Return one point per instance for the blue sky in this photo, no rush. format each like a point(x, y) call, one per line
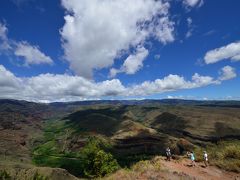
point(63, 50)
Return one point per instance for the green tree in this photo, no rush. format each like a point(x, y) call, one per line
point(97, 162)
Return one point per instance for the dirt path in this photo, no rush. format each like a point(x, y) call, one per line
point(199, 171)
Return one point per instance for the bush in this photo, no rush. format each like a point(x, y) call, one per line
point(97, 162)
point(225, 155)
point(141, 166)
point(4, 175)
point(38, 176)
point(231, 152)
point(147, 165)
point(198, 152)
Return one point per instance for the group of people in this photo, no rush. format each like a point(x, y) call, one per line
point(190, 155)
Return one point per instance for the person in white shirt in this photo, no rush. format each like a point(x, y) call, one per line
point(168, 153)
point(205, 158)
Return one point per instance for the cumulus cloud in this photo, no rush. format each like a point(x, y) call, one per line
point(7, 79)
point(64, 87)
point(227, 72)
point(199, 81)
point(230, 51)
point(59, 86)
point(9, 84)
point(31, 54)
point(97, 32)
point(192, 3)
point(52, 87)
point(133, 63)
point(170, 83)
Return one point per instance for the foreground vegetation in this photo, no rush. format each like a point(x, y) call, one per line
point(93, 160)
point(224, 154)
point(149, 167)
point(4, 175)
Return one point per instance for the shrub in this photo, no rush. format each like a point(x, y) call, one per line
point(147, 165)
point(225, 155)
point(231, 152)
point(141, 166)
point(198, 152)
point(4, 175)
point(97, 162)
point(104, 163)
point(38, 176)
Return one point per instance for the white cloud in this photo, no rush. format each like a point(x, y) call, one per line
point(181, 97)
point(60, 86)
point(190, 27)
point(157, 56)
point(97, 32)
point(4, 44)
point(189, 21)
point(171, 97)
point(9, 84)
point(227, 72)
point(189, 34)
point(230, 51)
point(199, 81)
point(7, 79)
point(164, 30)
point(170, 83)
point(56, 87)
point(193, 3)
point(31, 54)
point(3, 31)
point(132, 64)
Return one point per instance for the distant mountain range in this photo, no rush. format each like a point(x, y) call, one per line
point(223, 103)
point(135, 102)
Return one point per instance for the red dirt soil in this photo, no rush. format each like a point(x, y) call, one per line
point(199, 171)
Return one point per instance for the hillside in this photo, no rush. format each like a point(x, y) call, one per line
point(53, 135)
point(159, 168)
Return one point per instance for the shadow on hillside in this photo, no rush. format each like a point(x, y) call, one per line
point(223, 131)
point(127, 150)
point(170, 124)
point(142, 146)
point(96, 121)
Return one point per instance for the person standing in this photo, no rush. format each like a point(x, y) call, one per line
point(205, 158)
point(168, 153)
point(192, 157)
